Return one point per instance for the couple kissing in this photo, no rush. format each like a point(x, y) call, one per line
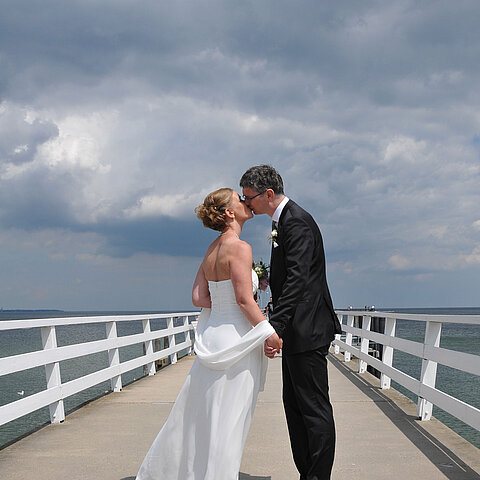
point(204, 436)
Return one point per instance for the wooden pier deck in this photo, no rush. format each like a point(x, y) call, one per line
point(378, 435)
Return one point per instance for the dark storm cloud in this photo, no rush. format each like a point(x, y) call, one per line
point(173, 46)
point(155, 236)
point(38, 200)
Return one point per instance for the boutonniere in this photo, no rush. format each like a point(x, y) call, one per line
point(274, 237)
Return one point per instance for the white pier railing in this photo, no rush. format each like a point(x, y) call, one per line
point(51, 355)
point(429, 351)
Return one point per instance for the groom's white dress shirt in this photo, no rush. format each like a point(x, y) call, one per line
point(279, 209)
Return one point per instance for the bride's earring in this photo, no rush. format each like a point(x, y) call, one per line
point(231, 214)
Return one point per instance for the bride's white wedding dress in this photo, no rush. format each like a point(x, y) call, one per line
point(204, 436)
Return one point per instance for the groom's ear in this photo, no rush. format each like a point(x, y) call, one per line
point(270, 194)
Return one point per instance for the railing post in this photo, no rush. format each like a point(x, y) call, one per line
point(387, 355)
point(114, 356)
point(171, 341)
point(336, 348)
point(347, 356)
point(362, 364)
point(428, 376)
point(148, 346)
point(52, 372)
point(188, 335)
point(194, 324)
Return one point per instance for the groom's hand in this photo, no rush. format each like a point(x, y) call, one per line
point(273, 344)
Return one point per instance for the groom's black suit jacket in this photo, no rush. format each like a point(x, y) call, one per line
point(303, 314)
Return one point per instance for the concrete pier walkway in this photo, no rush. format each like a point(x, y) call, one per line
point(378, 436)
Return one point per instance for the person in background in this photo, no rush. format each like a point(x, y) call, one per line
point(269, 308)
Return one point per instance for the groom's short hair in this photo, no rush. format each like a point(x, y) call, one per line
point(261, 178)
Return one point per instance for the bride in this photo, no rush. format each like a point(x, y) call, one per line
point(204, 436)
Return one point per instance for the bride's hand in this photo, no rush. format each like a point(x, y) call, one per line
point(273, 344)
point(269, 351)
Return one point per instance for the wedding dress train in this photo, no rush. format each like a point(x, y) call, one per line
point(204, 436)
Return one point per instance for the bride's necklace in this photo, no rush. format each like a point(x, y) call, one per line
point(223, 233)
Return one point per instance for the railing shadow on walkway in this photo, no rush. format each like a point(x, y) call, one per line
point(242, 476)
point(246, 476)
point(453, 467)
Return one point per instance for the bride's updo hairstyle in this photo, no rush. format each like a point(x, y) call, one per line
point(212, 211)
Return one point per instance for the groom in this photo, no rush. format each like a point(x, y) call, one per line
point(304, 318)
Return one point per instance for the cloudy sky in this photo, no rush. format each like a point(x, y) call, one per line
point(117, 117)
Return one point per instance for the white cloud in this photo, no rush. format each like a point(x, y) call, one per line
point(399, 262)
point(21, 148)
point(473, 258)
point(403, 149)
point(79, 142)
point(175, 206)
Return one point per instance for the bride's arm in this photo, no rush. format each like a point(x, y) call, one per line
point(200, 291)
point(241, 274)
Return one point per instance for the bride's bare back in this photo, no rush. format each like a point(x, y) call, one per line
point(228, 258)
point(217, 262)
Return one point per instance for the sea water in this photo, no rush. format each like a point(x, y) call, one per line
point(461, 337)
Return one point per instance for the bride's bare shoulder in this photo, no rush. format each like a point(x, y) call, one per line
point(242, 249)
point(230, 246)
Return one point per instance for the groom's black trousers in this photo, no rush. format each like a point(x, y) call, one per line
point(309, 413)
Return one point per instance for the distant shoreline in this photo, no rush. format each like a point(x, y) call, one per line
point(19, 310)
